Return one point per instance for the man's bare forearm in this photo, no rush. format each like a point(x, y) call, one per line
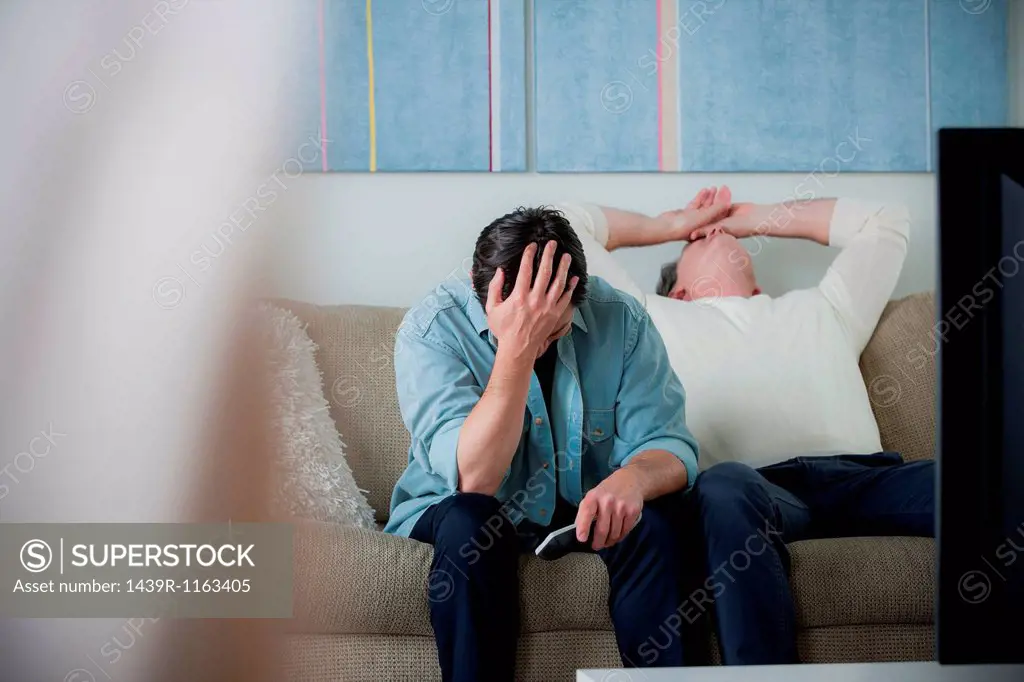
point(797, 219)
point(628, 228)
point(655, 473)
point(490, 435)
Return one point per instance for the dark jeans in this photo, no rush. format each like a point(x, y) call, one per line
point(473, 585)
point(748, 516)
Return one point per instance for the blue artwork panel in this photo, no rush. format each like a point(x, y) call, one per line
point(302, 140)
point(969, 83)
point(593, 110)
point(345, 95)
point(797, 85)
point(424, 85)
point(432, 100)
point(509, 41)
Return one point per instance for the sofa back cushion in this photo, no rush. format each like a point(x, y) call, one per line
point(899, 368)
point(356, 356)
point(355, 352)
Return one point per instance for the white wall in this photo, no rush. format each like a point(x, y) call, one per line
point(388, 239)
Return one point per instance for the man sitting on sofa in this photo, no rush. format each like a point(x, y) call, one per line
point(770, 379)
point(538, 397)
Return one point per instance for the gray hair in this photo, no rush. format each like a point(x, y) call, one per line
point(667, 280)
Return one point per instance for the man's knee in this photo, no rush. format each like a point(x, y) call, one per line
point(730, 490)
point(725, 481)
point(473, 529)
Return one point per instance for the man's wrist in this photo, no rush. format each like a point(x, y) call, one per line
point(510, 378)
point(514, 360)
point(633, 477)
point(670, 227)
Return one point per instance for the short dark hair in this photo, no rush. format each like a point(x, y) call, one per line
point(501, 245)
point(668, 278)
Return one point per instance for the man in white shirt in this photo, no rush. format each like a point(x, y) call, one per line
point(788, 443)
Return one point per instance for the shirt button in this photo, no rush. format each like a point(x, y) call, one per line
point(538, 421)
point(598, 432)
point(543, 512)
point(545, 465)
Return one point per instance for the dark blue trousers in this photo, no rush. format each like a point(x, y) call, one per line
point(473, 586)
point(747, 517)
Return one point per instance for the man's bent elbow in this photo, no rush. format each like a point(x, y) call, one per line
point(896, 219)
point(478, 484)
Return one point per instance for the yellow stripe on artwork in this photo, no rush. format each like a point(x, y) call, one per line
point(372, 106)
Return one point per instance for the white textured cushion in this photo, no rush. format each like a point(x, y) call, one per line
point(316, 482)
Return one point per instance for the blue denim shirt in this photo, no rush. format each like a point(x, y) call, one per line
point(614, 395)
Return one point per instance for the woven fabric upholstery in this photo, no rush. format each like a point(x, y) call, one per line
point(360, 658)
point(568, 594)
point(356, 346)
point(552, 656)
point(854, 581)
point(544, 657)
point(899, 366)
point(355, 581)
point(867, 644)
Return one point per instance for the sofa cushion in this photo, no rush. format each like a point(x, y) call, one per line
point(355, 581)
point(861, 581)
point(355, 351)
point(899, 365)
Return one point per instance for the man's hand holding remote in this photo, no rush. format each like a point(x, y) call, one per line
point(613, 507)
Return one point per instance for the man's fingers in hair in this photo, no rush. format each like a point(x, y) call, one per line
point(526, 269)
point(557, 287)
point(546, 267)
point(494, 290)
point(565, 300)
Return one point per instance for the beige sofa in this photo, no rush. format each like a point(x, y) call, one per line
point(361, 603)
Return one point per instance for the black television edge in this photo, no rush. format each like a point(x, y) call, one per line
point(979, 332)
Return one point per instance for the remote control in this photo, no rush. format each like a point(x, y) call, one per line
point(560, 542)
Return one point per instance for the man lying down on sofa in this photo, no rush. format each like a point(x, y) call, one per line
point(539, 395)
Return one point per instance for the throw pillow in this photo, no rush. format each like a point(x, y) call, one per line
point(317, 482)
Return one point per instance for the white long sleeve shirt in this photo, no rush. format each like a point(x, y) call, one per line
point(768, 379)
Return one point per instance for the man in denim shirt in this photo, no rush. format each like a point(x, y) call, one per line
point(537, 397)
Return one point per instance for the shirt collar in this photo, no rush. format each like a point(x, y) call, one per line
point(479, 317)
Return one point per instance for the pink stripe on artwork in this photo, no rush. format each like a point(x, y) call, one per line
point(323, 90)
point(490, 96)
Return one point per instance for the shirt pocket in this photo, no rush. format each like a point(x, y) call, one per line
point(598, 429)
